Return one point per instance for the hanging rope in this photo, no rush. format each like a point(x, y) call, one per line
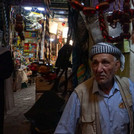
point(102, 24)
point(133, 3)
point(114, 5)
point(119, 4)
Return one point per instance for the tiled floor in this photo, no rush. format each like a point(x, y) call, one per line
point(15, 122)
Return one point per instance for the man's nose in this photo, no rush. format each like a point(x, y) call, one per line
point(100, 67)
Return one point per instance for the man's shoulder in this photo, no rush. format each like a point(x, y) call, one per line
point(85, 85)
point(124, 80)
point(125, 83)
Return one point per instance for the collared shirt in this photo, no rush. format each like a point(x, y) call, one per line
point(114, 117)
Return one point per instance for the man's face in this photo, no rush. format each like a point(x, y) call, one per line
point(104, 67)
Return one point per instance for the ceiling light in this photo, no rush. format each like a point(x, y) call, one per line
point(41, 9)
point(28, 8)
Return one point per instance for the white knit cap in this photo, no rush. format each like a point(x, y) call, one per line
point(108, 48)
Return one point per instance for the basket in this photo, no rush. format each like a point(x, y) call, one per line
point(42, 84)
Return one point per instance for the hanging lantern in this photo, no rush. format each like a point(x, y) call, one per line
point(19, 17)
point(19, 27)
point(63, 23)
point(19, 23)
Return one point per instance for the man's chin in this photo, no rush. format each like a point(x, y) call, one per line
point(101, 81)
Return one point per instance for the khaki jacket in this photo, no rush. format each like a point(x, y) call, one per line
point(89, 119)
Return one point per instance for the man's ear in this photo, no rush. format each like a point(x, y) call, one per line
point(117, 65)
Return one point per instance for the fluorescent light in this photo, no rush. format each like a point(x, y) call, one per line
point(61, 12)
point(41, 9)
point(65, 31)
point(28, 8)
point(71, 42)
point(61, 19)
point(51, 39)
point(82, 3)
point(65, 40)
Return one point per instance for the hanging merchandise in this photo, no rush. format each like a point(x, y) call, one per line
point(81, 73)
point(19, 26)
point(4, 24)
point(53, 26)
point(93, 27)
point(124, 18)
point(118, 17)
point(77, 5)
point(47, 34)
point(30, 48)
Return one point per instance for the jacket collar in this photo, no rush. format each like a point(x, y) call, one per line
point(97, 90)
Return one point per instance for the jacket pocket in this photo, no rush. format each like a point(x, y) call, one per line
point(88, 124)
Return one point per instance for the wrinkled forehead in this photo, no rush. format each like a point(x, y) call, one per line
point(103, 56)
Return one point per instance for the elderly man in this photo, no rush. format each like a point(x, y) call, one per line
point(102, 104)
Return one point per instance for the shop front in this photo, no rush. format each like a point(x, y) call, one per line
point(28, 27)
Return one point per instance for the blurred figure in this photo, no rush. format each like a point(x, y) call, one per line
point(6, 69)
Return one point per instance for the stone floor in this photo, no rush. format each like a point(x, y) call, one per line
point(15, 122)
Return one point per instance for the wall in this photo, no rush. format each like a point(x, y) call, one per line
point(129, 64)
point(132, 62)
point(126, 71)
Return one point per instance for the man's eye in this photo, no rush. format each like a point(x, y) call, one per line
point(94, 63)
point(105, 62)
